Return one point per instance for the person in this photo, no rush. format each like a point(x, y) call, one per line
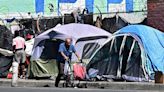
point(98, 22)
point(19, 57)
point(78, 16)
point(65, 53)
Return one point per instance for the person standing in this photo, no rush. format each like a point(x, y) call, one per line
point(78, 16)
point(19, 57)
point(98, 22)
point(65, 53)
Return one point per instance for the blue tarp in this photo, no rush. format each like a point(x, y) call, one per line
point(153, 43)
point(67, 1)
point(39, 5)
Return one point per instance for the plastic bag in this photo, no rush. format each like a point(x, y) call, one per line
point(92, 73)
point(67, 68)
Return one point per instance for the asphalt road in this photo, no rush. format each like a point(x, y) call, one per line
point(44, 89)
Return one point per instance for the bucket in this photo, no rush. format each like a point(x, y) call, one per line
point(159, 77)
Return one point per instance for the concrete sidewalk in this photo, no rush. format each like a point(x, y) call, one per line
point(104, 85)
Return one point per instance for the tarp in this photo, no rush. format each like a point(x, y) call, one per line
point(5, 38)
point(153, 43)
point(113, 24)
point(43, 68)
point(5, 64)
point(29, 45)
point(6, 52)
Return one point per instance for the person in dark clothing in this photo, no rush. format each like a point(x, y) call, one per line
point(65, 53)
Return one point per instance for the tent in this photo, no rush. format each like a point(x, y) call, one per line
point(5, 47)
point(5, 38)
point(113, 24)
point(131, 54)
point(86, 39)
point(5, 64)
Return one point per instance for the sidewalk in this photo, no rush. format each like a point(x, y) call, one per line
point(106, 85)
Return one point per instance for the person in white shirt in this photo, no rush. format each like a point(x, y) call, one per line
point(19, 57)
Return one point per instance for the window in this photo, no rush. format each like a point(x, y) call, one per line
point(89, 49)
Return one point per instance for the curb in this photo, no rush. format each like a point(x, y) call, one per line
point(99, 85)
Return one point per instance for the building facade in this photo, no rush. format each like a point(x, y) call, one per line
point(156, 14)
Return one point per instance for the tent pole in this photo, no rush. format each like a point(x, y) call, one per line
point(115, 46)
point(143, 60)
point(121, 56)
point(111, 45)
point(131, 50)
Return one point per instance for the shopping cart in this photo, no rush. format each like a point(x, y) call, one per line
point(74, 74)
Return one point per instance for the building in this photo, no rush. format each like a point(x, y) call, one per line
point(155, 17)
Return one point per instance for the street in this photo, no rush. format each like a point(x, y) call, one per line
point(38, 89)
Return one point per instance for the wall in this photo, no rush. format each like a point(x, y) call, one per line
point(19, 8)
point(156, 14)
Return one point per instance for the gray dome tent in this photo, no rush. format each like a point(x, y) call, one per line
point(86, 39)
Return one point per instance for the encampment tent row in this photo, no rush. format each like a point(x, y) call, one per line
point(133, 53)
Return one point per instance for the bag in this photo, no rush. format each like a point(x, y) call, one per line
point(79, 71)
point(9, 75)
point(67, 68)
point(92, 73)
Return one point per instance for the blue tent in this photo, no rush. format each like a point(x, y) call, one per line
point(133, 53)
point(153, 43)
